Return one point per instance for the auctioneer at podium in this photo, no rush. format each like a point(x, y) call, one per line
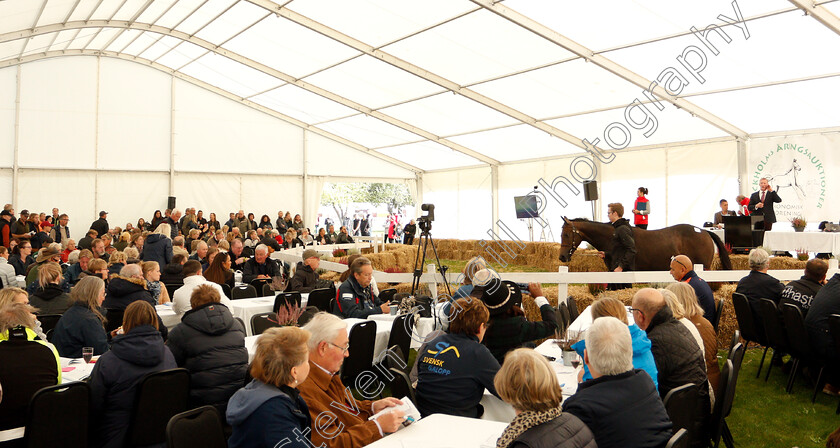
point(761, 203)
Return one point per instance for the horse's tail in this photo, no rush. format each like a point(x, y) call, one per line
point(722, 252)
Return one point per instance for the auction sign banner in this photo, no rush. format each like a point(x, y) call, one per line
point(801, 170)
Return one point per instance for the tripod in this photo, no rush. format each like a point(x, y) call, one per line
point(423, 244)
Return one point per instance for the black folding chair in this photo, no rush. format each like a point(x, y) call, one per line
point(114, 320)
point(172, 287)
point(198, 427)
point(681, 406)
point(716, 423)
point(386, 295)
point(242, 322)
point(226, 290)
point(736, 338)
point(718, 314)
point(773, 330)
point(563, 318)
point(307, 315)
point(573, 309)
point(834, 329)
point(48, 321)
point(320, 298)
point(244, 292)
point(726, 396)
point(746, 323)
point(401, 331)
point(291, 298)
point(800, 347)
point(679, 440)
point(401, 385)
point(263, 321)
point(362, 338)
point(48, 422)
point(266, 290)
point(160, 396)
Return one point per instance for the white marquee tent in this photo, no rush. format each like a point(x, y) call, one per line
point(254, 104)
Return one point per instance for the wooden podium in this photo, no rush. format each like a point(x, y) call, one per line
point(740, 232)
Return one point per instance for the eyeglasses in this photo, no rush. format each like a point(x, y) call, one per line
point(674, 258)
point(343, 349)
point(636, 309)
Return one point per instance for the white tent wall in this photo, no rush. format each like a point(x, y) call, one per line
point(685, 183)
point(214, 134)
point(519, 179)
point(463, 202)
point(87, 133)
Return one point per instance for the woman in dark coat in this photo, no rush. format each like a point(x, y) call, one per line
point(270, 408)
point(82, 325)
point(50, 298)
point(114, 380)
point(210, 343)
point(158, 246)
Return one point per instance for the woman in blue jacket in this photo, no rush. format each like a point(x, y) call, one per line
point(114, 380)
point(82, 325)
point(269, 411)
point(642, 356)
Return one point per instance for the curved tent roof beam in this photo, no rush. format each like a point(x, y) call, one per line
point(217, 49)
point(131, 58)
point(547, 33)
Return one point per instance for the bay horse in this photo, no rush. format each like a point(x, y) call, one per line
point(654, 248)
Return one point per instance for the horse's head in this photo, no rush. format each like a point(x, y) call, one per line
point(570, 239)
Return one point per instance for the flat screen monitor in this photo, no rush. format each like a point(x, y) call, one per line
point(526, 207)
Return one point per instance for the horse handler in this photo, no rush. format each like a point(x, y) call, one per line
point(623, 255)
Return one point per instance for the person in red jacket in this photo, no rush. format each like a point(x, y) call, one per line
point(641, 209)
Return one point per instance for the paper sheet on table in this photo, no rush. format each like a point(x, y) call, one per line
point(67, 369)
point(416, 443)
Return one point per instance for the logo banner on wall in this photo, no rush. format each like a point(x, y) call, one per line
point(800, 170)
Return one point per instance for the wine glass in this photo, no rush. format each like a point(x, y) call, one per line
point(575, 360)
point(87, 354)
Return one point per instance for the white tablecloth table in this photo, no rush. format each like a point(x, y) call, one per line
point(75, 369)
point(807, 241)
point(168, 315)
point(246, 308)
point(497, 410)
point(383, 331)
point(444, 431)
point(422, 327)
point(584, 321)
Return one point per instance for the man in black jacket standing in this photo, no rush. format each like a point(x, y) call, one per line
point(101, 224)
point(622, 256)
point(761, 203)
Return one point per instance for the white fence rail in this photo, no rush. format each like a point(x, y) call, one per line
point(563, 278)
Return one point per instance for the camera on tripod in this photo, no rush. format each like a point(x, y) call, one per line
point(425, 221)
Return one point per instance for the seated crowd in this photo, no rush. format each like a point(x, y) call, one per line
point(105, 290)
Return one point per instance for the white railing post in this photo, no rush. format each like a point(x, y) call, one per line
point(562, 286)
point(832, 267)
point(433, 283)
point(698, 268)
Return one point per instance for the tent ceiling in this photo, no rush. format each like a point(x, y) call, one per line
point(450, 83)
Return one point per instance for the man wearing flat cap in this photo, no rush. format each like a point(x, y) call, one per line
point(305, 277)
